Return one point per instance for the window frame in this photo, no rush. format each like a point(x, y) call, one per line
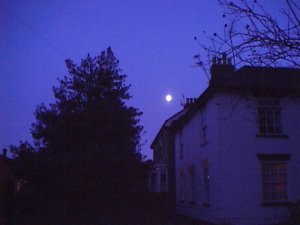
point(180, 144)
point(203, 128)
point(274, 178)
point(192, 177)
point(163, 179)
point(181, 186)
point(269, 117)
point(206, 182)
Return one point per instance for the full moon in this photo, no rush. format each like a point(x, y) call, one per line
point(169, 98)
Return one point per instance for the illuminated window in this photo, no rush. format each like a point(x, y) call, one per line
point(269, 116)
point(203, 135)
point(274, 177)
point(20, 184)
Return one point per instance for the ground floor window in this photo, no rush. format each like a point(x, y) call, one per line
point(152, 181)
point(274, 177)
point(205, 166)
point(192, 185)
point(181, 186)
point(163, 180)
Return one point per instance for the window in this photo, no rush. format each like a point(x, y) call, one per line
point(181, 185)
point(274, 180)
point(19, 185)
point(163, 180)
point(163, 150)
point(153, 181)
point(205, 164)
point(203, 132)
point(160, 152)
point(203, 135)
point(269, 116)
point(274, 177)
point(193, 185)
point(180, 145)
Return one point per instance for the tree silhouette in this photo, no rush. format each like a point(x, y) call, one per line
point(252, 36)
point(87, 143)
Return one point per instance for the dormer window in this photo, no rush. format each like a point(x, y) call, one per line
point(269, 117)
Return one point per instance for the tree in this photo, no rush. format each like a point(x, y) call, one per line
point(252, 36)
point(92, 98)
point(88, 142)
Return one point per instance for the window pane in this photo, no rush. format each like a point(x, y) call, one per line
point(274, 177)
point(269, 116)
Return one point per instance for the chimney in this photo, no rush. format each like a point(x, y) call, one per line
point(221, 66)
point(189, 102)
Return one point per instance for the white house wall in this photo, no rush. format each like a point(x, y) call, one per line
point(232, 148)
point(240, 166)
point(194, 154)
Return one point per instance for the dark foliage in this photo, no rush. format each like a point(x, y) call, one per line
point(87, 162)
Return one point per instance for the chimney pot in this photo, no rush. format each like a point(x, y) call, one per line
point(223, 67)
point(224, 57)
point(214, 61)
point(189, 102)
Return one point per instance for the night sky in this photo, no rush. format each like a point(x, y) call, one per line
point(153, 40)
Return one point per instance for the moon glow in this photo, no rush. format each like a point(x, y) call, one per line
point(169, 98)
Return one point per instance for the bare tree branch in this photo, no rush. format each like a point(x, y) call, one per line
point(252, 36)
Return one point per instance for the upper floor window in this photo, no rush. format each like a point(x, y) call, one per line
point(204, 135)
point(203, 131)
point(153, 181)
point(269, 117)
point(161, 153)
point(180, 145)
point(163, 180)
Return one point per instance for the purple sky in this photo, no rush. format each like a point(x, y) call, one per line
point(153, 39)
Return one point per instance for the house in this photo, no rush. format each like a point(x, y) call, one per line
point(237, 147)
point(162, 174)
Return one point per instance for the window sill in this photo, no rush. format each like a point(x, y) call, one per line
point(282, 136)
point(276, 204)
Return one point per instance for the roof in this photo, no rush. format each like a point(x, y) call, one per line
point(224, 77)
point(168, 123)
point(249, 77)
